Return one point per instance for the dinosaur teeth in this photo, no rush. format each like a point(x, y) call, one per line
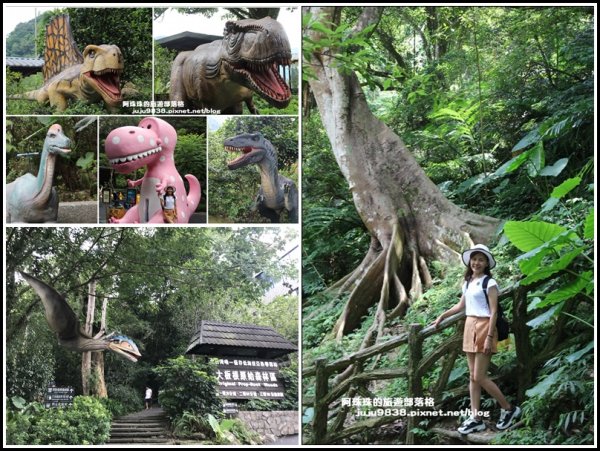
point(136, 156)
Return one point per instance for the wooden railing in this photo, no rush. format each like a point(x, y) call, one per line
point(324, 432)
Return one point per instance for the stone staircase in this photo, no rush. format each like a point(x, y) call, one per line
point(144, 427)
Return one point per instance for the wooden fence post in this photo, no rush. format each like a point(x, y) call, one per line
point(321, 408)
point(415, 386)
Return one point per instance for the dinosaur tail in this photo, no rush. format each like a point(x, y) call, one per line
point(195, 193)
point(29, 95)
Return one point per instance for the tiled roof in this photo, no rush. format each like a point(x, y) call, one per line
point(216, 338)
point(18, 61)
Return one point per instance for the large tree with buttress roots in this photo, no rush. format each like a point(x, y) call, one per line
point(410, 221)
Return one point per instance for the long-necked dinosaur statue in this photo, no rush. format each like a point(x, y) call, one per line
point(34, 199)
point(92, 77)
point(276, 192)
point(151, 144)
point(224, 73)
point(64, 322)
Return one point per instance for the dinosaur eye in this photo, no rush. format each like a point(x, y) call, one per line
point(52, 135)
point(149, 126)
point(91, 54)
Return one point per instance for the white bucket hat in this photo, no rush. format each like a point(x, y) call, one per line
point(466, 256)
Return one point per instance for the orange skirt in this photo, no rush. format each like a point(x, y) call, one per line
point(476, 331)
point(170, 216)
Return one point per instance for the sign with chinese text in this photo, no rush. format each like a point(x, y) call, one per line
point(59, 396)
point(247, 378)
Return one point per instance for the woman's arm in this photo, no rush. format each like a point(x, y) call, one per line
point(458, 307)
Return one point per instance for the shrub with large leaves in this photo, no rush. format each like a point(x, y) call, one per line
point(188, 385)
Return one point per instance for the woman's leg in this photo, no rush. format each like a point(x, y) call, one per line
point(481, 365)
point(474, 387)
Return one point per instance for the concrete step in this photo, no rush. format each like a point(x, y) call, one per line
point(134, 423)
point(138, 434)
point(140, 429)
point(147, 441)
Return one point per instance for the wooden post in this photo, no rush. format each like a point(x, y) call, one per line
point(523, 347)
point(321, 408)
point(415, 388)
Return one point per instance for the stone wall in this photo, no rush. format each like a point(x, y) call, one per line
point(271, 423)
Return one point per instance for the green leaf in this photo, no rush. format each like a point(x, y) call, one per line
point(572, 358)
point(555, 169)
point(318, 26)
point(565, 187)
point(568, 291)
point(18, 402)
point(548, 270)
point(527, 235)
point(533, 304)
point(537, 159)
point(472, 182)
point(512, 164)
point(539, 320)
point(530, 138)
point(588, 228)
point(542, 387)
point(550, 203)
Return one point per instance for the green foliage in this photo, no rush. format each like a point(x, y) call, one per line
point(87, 422)
point(232, 432)
point(189, 423)
point(122, 399)
point(163, 59)
point(20, 41)
point(31, 365)
point(351, 48)
point(187, 385)
point(559, 403)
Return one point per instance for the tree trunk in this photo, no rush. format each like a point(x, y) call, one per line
point(409, 219)
point(92, 363)
point(86, 357)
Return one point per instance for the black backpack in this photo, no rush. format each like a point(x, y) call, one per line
point(501, 321)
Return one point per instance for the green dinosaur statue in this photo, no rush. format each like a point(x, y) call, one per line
point(276, 192)
point(224, 73)
point(92, 77)
point(34, 199)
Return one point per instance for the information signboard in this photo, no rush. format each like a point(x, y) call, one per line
point(247, 378)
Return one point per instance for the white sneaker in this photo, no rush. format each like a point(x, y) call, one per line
point(507, 417)
point(471, 425)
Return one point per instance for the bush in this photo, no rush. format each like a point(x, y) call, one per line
point(123, 400)
point(188, 386)
point(87, 422)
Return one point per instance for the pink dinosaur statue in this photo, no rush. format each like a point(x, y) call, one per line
point(151, 144)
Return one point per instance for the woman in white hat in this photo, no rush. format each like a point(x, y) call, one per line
point(480, 336)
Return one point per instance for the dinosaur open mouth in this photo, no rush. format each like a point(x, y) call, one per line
point(60, 149)
point(138, 156)
point(245, 151)
point(107, 81)
point(265, 78)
